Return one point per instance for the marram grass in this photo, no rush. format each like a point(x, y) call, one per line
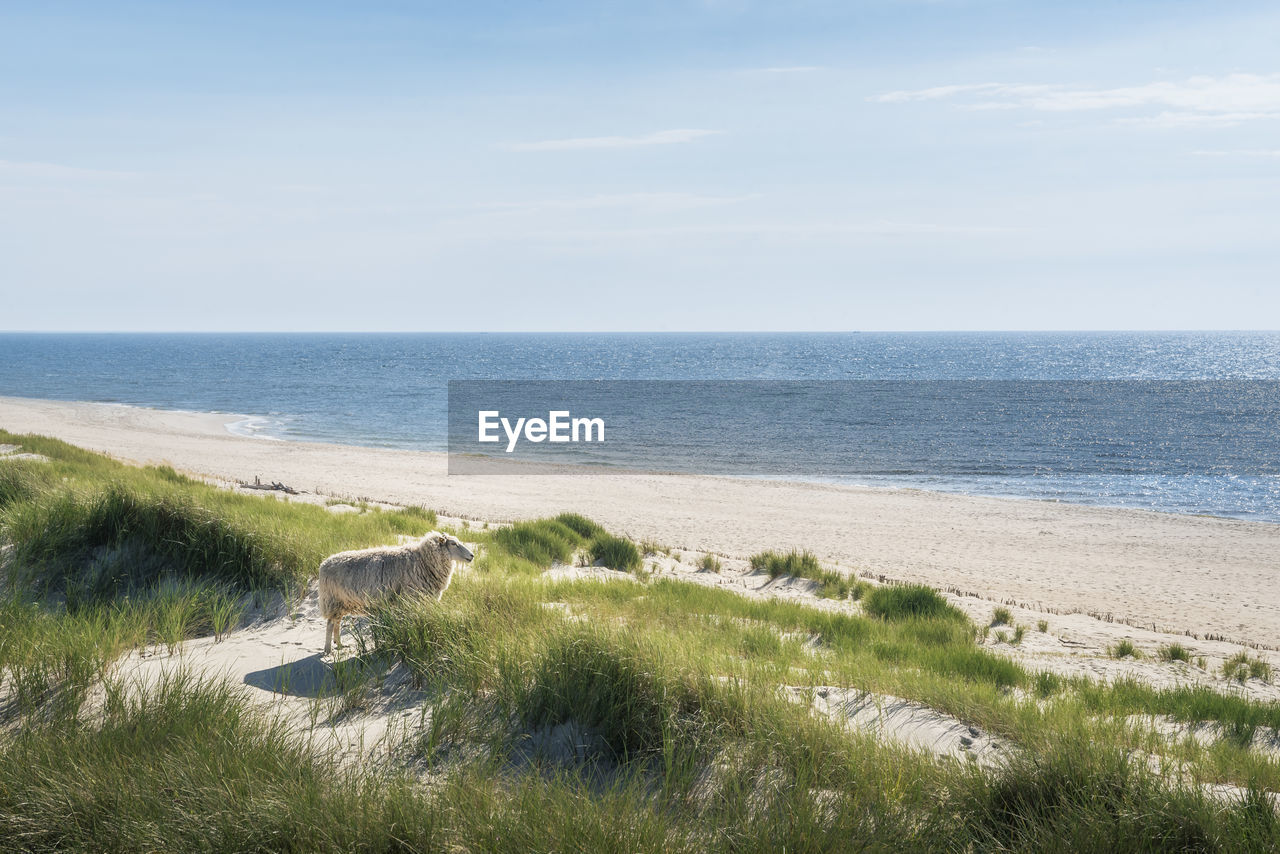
point(688, 703)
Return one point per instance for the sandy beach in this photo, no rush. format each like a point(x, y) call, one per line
point(1206, 576)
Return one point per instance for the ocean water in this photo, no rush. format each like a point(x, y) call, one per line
point(1177, 422)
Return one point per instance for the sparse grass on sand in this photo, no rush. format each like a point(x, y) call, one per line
point(798, 564)
point(1241, 667)
point(1174, 652)
point(1125, 649)
point(542, 542)
point(669, 696)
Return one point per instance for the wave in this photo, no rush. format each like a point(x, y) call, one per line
point(258, 427)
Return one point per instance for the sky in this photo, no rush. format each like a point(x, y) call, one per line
point(661, 165)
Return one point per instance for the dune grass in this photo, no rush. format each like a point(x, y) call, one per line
point(580, 525)
point(689, 704)
point(544, 542)
point(22, 480)
point(189, 765)
point(1125, 649)
point(1241, 667)
point(804, 564)
point(130, 525)
point(614, 552)
point(106, 557)
point(899, 602)
point(678, 696)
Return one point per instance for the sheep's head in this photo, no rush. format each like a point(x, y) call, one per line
point(452, 546)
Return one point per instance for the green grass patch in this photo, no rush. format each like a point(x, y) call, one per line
point(1174, 652)
point(1184, 703)
point(1241, 668)
point(620, 688)
point(614, 552)
point(121, 538)
point(22, 480)
point(909, 601)
point(1125, 649)
point(692, 703)
point(794, 563)
point(186, 765)
point(580, 525)
point(798, 564)
point(543, 542)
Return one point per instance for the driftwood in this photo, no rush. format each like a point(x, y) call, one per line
point(274, 485)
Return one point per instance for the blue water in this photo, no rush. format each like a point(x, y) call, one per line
point(390, 391)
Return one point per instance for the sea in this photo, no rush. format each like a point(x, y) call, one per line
point(1178, 422)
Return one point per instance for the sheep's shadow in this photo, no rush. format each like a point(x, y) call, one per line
point(311, 677)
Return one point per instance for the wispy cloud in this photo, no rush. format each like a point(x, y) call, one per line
point(1195, 102)
point(585, 143)
point(788, 69)
point(1243, 152)
point(629, 201)
point(830, 231)
point(1174, 119)
point(34, 169)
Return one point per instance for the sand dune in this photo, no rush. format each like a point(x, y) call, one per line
point(1203, 575)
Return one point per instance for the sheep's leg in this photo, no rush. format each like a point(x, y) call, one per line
point(328, 637)
point(337, 633)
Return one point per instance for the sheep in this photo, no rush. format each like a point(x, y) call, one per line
point(350, 582)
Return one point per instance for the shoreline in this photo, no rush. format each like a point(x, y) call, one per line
point(268, 427)
point(1209, 576)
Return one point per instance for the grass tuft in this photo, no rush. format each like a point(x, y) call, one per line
point(1125, 649)
point(580, 525)
point(615, 552)
point(543, 542)
point(793, 563)
point(609, 683)
point(797, 564)
point(910, 601)
point(1174, 652)
point(22, 480)
point(1242, 668)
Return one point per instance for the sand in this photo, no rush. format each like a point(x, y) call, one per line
point(1207, 576)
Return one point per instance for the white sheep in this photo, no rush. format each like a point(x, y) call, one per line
point(350, 582)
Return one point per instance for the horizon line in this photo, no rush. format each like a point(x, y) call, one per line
point(609, 331)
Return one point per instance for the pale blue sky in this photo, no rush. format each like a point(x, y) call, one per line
point(865, 164)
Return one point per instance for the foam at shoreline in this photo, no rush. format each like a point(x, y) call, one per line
point(257, 427)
